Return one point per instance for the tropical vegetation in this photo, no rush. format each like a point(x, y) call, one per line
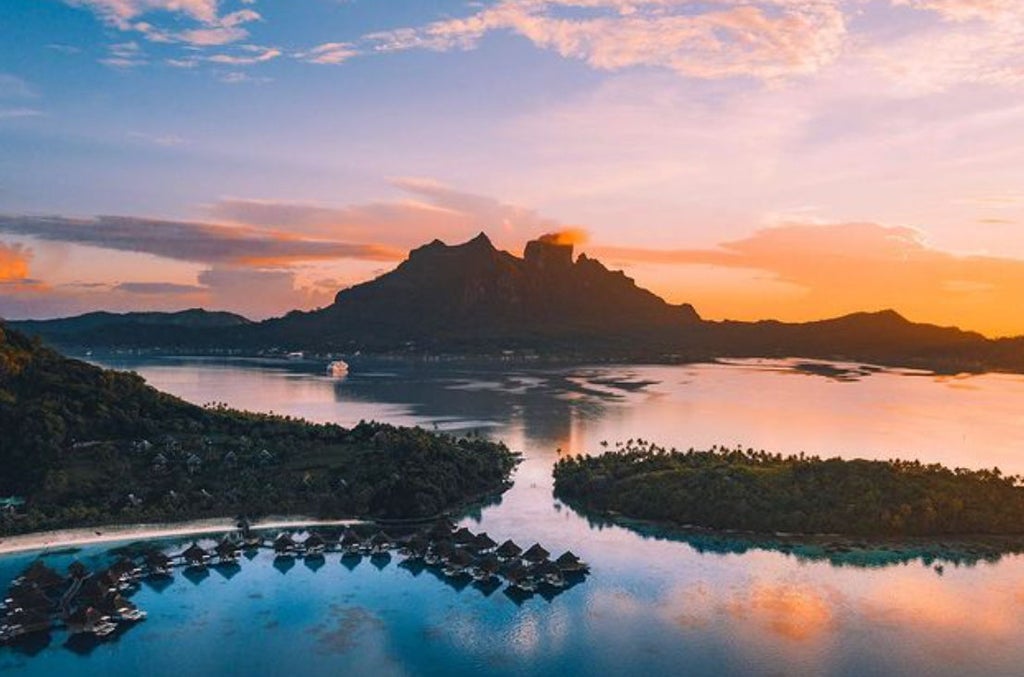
point(82, 445)
point(757, 491)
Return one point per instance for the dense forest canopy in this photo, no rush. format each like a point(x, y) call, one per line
point(761, 492)
point(85, 445)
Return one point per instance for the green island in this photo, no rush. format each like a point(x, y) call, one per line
point(85, 446)
point(759, 492)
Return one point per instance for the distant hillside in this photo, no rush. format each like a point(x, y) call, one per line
point(186, 327)
point(472, 299)
point(84, 445)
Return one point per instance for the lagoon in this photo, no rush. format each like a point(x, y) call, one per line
point(654, 602)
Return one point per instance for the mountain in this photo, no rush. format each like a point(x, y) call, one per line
point(131, 329)
point(473, 299)
point(475, 296)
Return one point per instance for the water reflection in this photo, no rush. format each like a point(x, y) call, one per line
point(838, 551)
point(658, 600)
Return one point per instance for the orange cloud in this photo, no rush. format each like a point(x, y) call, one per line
point(826, 270)
point(14, 261)
point(572, 236)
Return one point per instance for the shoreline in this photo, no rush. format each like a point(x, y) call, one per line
point(64, 538)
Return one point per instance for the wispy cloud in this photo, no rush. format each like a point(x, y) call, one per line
point(158, 288)
point(13, 113)
point(759, 38)
point(427, 206)
point(163, 140)
point(187, 241)
point(329, 53)
point(13, 87)
point(124, 55)
point(212, 26)
point(239, 78)
point(250, 54)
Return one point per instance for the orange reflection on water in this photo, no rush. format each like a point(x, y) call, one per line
point(799, 613)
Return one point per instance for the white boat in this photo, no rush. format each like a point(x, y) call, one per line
point(337, 369)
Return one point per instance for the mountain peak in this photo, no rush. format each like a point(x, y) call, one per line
point(547, 254)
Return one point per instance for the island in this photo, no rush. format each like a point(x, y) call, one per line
point(759, 492)
point(85, 446)
point(474, 301)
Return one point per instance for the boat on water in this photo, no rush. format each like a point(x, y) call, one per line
point(337, 369)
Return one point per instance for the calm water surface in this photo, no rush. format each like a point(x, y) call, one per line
point(655, 604)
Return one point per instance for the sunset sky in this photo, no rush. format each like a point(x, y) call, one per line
point(794, 159)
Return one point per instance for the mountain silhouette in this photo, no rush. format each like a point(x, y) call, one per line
point(473, 299)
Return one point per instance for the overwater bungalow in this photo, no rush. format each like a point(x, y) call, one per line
point(284, 545)
point(458, 563)
point(415, 547)
point(195, 556)
point(463, 536)
point(536, 554)
point(508, 551)
point(126, 570)
point(22, 622)
point(89, 619)
point(27, 598)
point(350, 542)
point(549, 573)
point(439, 552)
point(117, 606)
point(484, 543)
point(520, 578)
point(441, 530)
point(41, 576)
point(77, 570)
point(251, 541)
point(93, 590)
point(486, 567)
point(157, 563)
point(380, 542)
point(569, 563)
point(227, 551)
point(314, 545)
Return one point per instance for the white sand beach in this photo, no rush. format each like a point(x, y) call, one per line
point(65, 538)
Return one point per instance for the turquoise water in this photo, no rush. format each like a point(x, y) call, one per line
point(662, 605)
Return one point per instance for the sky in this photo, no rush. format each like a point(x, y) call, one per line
point(789, 159)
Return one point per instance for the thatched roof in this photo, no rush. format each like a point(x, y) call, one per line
point(517, 573)
point(488, 563)
point(380, 538)
point(123, 566)
point(226, 547)
point(545, 568)
point(463, 536)
point(568, 561)
point(443, 548)
point(441, 529)
point(314, 540)
point(195, 553)
point(77, 570)
point(460, 558)
point(29, 597)
point(157, 559)
point(484, 542)
point(509, 549)
point(417, 543)
point(350, 537)
point(536, 553)
point(42, 576)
